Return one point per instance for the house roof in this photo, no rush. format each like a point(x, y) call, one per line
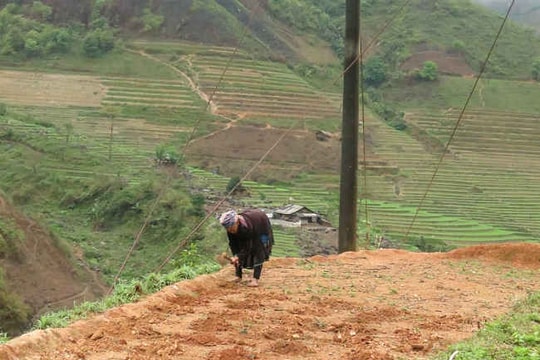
point(291, 209)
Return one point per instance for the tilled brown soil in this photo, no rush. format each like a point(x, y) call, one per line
point(385, 304)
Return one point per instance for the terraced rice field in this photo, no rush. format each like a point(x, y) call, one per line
point(485, 190)
point(119, 146)
point(146, 92)
point(490, 176)
point(34, 88)
point(251, 89)
point(245, 88)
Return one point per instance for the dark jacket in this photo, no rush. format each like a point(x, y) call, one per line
point(254, 240)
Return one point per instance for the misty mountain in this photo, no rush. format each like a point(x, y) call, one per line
point(524, 11)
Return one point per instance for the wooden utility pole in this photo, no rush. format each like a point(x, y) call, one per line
point(349, 138)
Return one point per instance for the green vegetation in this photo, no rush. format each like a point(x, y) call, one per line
point(22, 32)
point(515, 336)
point(130, 291)
point(524, 11)
point(25, 32)
point(429, 71)
point(451, 92)
point(62, 182)
point(10, 237)
point(14, 313)
point(446, 26)
point(535, 72)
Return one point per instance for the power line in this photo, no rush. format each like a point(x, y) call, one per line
point(376, 37)
point(460, 118)
point(169, 176)
point(139, 233)
point(218, 204)
point(222, 76)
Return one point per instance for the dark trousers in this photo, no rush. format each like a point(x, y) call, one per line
point(257, 270)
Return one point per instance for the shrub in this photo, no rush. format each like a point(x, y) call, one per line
point(429, 72)
point(166, 156)
point(14, 314)
point(98, 42)
point(151, 22)
point(233, 182)
point(375, 72)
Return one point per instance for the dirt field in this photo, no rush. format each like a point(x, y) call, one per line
point(31, 88)
point(386, 304)
point(236, 148)
point(447, 64)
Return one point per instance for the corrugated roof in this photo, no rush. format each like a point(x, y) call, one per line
point(291, 209)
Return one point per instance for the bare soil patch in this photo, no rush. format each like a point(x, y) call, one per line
point(32, 88)
point(236, 148)
point(452, 64)
point(385, 304)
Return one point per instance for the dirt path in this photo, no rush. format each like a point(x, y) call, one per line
point(385, 304)
point(212, 106)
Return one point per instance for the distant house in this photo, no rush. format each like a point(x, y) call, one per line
point(299, 214)
point(322, 135)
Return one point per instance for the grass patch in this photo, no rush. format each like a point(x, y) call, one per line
point(116, 63)
point(451, 92)
point(515, 336)
point(125, 292)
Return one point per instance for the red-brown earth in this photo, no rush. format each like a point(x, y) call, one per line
point(384, 304)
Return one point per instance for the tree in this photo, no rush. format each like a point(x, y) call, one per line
point(91, 45)
point(32, 44)
point(98, 42)
point(458, 46)
point(151, 22)
point(40, 11)
point(375, 71)
point(429, 72)
point(535, 72)
point(234, 182)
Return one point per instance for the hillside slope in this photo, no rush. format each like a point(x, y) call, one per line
point(384, 305)
point(525, 11)
point(38, 271)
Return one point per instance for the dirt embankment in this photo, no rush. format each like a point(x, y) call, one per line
point(386, 304)
point(39, 272)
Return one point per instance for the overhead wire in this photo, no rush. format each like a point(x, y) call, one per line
point(183, 242)
point(460, 118)
point(222, 76)
point(360, 58)
point(220, 202)
point(209, 102)
point(182, 155)
point(139, 235)
point(375, 38)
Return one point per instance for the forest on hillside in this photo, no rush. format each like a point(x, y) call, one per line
point(94, 28)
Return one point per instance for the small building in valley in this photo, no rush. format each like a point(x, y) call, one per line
point(299, 214)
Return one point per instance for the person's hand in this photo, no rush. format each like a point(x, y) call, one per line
point(234, 260)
